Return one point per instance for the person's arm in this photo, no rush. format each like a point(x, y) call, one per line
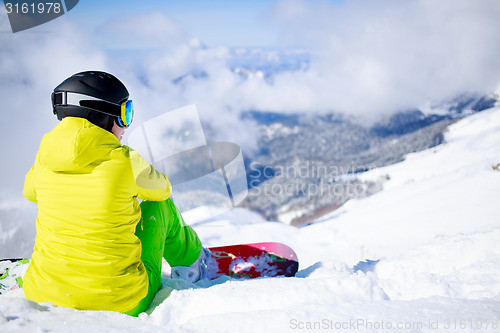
point(151, 184)
point(29, 185)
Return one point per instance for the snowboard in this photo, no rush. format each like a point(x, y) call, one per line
point(248, 261)
point(252, 260)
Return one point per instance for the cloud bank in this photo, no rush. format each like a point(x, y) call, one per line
point(368, 59)
point(375, 57)
point(31, 65)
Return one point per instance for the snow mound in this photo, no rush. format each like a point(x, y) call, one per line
point(459, 266)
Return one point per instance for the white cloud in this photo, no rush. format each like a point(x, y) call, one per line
point(381, 56)
point(177, 70)
point(369, 58)
point(32, 63)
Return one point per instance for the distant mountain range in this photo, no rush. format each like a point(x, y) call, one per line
point(307, 166)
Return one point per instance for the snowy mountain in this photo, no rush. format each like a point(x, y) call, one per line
point(421, 254)
point(308, 165)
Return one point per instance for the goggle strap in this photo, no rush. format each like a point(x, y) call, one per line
point(71, 98)
point(63, 98)
point(59, 98)
point(120, 122)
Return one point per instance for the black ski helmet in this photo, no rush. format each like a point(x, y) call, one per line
point(105, 94)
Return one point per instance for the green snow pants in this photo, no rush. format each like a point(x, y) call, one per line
point(163, 234)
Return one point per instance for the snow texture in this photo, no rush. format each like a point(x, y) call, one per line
point(422, 255)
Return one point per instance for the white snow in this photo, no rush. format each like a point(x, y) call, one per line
point(432, 237)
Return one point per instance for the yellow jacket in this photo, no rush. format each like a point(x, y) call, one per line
point(86, 185)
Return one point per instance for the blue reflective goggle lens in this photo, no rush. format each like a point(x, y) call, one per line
point(127, 114)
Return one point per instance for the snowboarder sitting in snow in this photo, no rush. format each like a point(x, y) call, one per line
point(96, 247)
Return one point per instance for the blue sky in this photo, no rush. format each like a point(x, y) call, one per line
point(214, 22)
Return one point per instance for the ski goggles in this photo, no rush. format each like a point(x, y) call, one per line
point(127, 113)
point(123, 111)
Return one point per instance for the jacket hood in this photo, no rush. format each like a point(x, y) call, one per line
point(75, 143)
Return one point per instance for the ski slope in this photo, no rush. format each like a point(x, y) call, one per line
point(423, 255)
